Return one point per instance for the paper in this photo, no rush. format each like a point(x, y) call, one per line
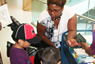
point(80, 51)
point(4, 16)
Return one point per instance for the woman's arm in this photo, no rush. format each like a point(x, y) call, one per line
point(72, 30)
point(41, 32)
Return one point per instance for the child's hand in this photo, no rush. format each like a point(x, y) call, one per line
point(87, 48)
point(84, 45)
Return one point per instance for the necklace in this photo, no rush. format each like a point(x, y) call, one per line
point(58, 18)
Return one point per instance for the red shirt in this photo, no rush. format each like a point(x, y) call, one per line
point(32, 59)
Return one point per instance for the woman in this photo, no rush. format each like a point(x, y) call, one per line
point(56, 20)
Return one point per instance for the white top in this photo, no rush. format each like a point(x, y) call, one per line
point(51, 32)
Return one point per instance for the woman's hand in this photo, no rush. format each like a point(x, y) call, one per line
point(72, 42)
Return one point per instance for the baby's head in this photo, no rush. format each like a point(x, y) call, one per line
point(51, 55)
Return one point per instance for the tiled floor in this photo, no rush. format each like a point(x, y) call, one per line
point(15, 10)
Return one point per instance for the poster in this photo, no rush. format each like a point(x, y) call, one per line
point(4, 16)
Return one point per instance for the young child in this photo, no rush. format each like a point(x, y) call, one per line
point(23, 36)
point(90, 50)
point(49, 55)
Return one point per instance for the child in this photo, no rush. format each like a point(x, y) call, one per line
point(90, 50)
point(23, 36)
point(49, 55)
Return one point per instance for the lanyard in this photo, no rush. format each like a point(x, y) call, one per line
point(56, 35)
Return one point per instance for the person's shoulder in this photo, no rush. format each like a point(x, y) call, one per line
point(67, 8)
point(68, 12)
point(17, 54)
point(44, 13)
point(16, 51)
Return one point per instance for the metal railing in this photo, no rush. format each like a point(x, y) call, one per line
point(42, 1)
point(86, 17)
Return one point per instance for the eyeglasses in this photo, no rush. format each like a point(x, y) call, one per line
point(55, 10)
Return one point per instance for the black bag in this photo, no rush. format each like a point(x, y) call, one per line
point(9, 45)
